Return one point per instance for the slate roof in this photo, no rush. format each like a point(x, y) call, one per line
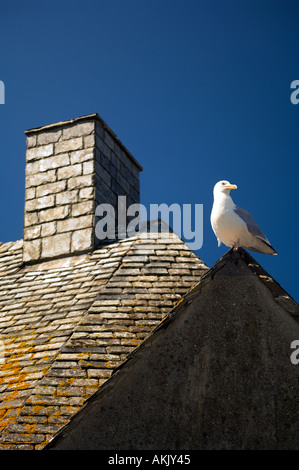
point(65, 324)
point(214, 374)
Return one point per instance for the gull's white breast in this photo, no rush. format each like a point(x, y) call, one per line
point(227, 225)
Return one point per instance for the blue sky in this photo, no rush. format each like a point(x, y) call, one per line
point(197, 90)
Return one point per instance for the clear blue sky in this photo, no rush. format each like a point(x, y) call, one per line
point(197, 90)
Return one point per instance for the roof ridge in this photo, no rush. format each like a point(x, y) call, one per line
point(280, 295)
point(291, 306)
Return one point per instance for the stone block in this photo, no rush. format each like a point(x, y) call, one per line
point(119, 190)
point(89, 141)
point(103, 174)
point(88, 167)
point(124, 184)
point(100, 132)
point(78, 130)
point(135, 194)
point(124, 158)
point(48, 215)
point(104, 194)
point(51, 188)
point(115, 161)
point(31, 233)
point(83, 208)
point(40, 178)
point(81, 240)
point(76, 223)
point(48, 229)
point(109, 140)
point(80, 181)
point(67, 197)
point(31, 141)
point(30, 193)
point(53, 162)
point(39, 152)
point(101, 146)
point(68, 145)
point(48, 137)
point(31, 250)
point(69, 171)
point(39, 203)
point(130, 175)
point(31, 218)
point(86, 193)
point(32, 168)
point(107, 164)
point(56, 245)
point(81, 156)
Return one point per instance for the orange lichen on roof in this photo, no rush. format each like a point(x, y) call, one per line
point(68, 323)
point(14, 379)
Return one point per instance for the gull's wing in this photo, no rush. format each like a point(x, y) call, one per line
point(252, 226)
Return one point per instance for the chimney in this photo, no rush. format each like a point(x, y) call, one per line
point(71, 168)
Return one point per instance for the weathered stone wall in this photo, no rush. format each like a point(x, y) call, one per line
point(71, 167)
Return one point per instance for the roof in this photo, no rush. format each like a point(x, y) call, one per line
point(65, 324)
point(215, 374)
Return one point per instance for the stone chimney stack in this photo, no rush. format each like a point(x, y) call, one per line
point(71, 168)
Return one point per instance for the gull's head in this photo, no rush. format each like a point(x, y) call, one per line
point(224, 187)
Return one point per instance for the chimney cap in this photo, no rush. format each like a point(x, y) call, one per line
point(87, 117)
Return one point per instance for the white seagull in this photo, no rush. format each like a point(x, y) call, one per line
point(234, 226)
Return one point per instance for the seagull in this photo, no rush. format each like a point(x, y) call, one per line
point(234, 226)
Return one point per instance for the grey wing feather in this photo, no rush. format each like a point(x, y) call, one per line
point(251, 224)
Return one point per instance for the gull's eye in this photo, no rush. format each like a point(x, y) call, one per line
point(223, 183)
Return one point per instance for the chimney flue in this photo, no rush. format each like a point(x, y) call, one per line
point(71, 167)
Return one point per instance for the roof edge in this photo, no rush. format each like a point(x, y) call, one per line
point(280, 295)
point(188, 298)
point(277, 291)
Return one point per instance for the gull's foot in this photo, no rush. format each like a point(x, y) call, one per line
point(236, 245)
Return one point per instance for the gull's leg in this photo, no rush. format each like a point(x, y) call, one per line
point(236, 245)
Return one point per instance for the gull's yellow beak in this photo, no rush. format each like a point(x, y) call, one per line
point(232, 186)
